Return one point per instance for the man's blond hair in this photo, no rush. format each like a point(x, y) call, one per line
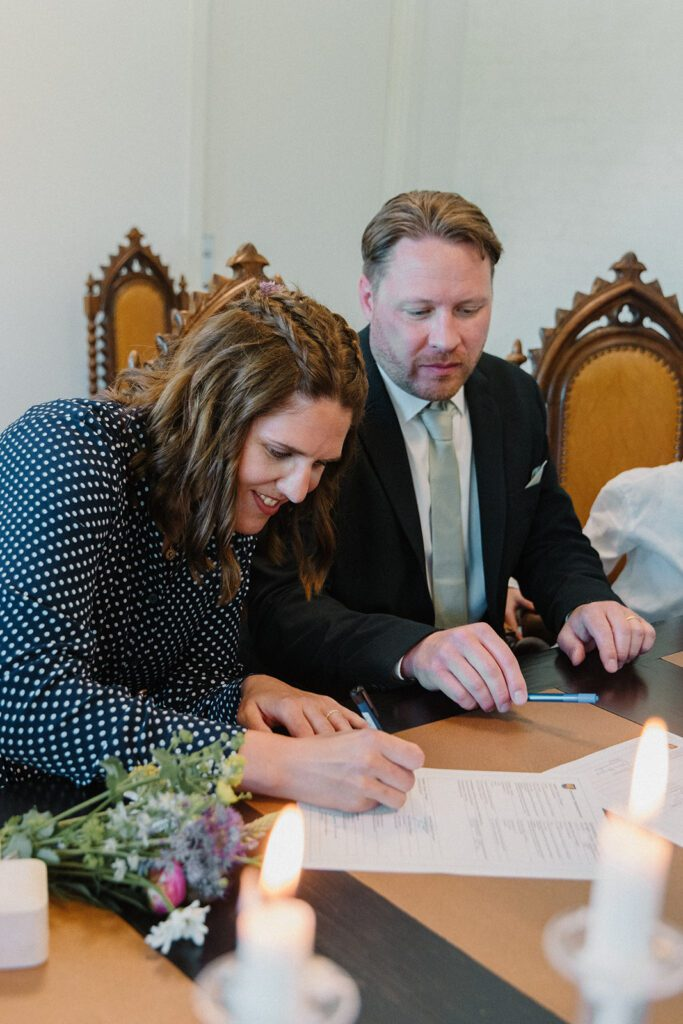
point(423, 215)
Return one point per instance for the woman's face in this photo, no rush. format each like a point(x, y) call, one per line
point(285, 455)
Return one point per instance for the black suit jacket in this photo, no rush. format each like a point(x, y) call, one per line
point(376, 603)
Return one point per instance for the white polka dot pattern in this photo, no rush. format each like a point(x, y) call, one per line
point(106, 646)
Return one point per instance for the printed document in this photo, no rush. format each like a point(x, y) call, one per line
point(510, 824)
point(608, 772)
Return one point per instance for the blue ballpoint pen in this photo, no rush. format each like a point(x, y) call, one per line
point(365, 707)
point(565, 698)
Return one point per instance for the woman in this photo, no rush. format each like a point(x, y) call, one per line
point(127, 527)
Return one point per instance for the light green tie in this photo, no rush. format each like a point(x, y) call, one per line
point(449, 574)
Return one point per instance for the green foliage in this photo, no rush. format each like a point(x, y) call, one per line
point(104, 849)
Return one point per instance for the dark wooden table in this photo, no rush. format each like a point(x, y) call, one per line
point(407, 974)
point(649, 686)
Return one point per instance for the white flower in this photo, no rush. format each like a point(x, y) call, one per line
point(133, 860)
point(120, 869)
point(110, 845)
point(118, 819)
point(168, 803)
point(143, 827)
point(181, 923)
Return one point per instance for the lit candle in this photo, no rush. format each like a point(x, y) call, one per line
point(275, 933)
point(627, 895)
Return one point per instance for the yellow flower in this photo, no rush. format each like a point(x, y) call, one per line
point(144, 771)
point(225, 793)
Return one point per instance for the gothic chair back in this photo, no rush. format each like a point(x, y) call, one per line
point(247, 266)
point(611, 371)
point(127, 308)
point(134, 309)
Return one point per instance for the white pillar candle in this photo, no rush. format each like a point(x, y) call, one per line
point(23, 913)
point(627, 895)
point(274, 942)
point(275, 933)
point(626, 898)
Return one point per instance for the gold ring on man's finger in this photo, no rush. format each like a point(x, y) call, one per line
point(334, 711)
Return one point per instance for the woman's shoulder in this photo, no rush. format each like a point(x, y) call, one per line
point(71, 432)
point(89, 413)
point(97, 421)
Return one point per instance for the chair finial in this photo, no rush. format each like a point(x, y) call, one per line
point(629, 266)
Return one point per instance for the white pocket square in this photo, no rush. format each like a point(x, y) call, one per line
point(536, 475)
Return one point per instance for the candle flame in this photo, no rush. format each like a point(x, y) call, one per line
point(284, 854)
point(650, 772)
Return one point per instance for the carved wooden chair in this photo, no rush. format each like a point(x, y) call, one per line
point(611, 371)
point(134, 310)
point(126, 308)
point(247, 266)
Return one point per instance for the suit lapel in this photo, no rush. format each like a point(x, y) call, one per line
point(382, 440)
point(487, 447)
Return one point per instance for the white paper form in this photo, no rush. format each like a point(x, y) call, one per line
point(509, 824)
point(608, 772)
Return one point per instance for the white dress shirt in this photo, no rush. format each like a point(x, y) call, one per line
point(408, 408)
point(640, 514)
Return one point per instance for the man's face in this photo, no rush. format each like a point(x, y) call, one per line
point(429, 315)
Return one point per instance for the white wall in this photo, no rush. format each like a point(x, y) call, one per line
point(297, 105)
point(570, 138)
point(561, 118)
point(94, 138)
point(287, 124)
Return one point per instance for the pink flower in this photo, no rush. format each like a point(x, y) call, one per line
point(270, 287)
point(171, 881)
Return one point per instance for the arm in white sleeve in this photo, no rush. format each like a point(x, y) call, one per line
point(606, 528)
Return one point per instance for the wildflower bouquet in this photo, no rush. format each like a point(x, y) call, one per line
point(162, 836)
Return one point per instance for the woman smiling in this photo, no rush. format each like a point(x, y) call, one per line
point(128, 524)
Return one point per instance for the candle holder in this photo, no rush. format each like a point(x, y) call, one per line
point(328, 994)
point(610, 995)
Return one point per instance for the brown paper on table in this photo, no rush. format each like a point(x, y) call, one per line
point(499, 921)
point(99, 971)
point(675, 659)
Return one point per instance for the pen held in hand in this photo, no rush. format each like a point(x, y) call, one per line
point(564, 698)
point(365, 707)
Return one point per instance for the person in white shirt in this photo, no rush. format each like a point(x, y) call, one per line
point(640, 514)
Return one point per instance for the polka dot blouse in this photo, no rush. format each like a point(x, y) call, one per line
point(106, 646)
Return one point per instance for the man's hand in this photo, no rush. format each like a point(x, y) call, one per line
point(471, 665)
point(268, 702)
point(617, 633)
point(515, 604)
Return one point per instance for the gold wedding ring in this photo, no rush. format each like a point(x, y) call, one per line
point(334, 711)
point(630, 617)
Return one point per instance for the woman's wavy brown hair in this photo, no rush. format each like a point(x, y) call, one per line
point(200, 400)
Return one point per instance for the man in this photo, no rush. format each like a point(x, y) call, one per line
point(394, 607)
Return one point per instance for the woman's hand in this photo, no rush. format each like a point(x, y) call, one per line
point(351, 771)
point(515, 606)
point(267, 702)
